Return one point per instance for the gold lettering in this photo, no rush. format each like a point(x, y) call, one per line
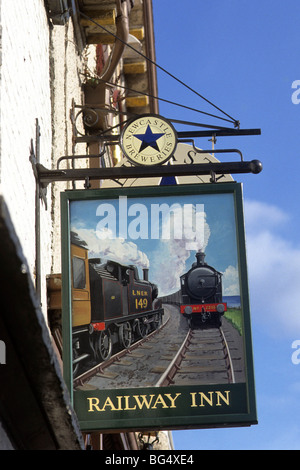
point(127, 407)
point(140, 293)
point(160, 400)
point(108, 402)
point(226, 400)
point(216, 398)
point(208, 400)
point(144, 402)
point(193, 405)
point(172, 400)
point(119, 403)
point(131, 403)
point(93, 405)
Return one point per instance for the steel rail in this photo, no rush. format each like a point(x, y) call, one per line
point(228, 359)
point(170, 372)
point(116, 357)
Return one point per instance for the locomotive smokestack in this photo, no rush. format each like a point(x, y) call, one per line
point(145, 273)
point(200, 258)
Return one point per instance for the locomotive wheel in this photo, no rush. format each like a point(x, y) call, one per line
point(125, 335)
point(142, 328)
point(104, 348)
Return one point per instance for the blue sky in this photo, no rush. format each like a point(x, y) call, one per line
point(135, 231)
point(244, 56)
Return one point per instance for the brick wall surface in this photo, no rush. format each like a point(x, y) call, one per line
point(39, 80)
point(66, 90)
point(25, 97)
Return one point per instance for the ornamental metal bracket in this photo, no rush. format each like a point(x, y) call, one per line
point(90, 115)
point(34, 158)
point(40, 194)
point(148, 133)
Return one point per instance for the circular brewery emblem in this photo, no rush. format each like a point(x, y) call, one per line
point(148, 140)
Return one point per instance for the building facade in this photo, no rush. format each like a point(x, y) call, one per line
point(68, 72)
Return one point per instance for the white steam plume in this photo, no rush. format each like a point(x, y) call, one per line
point(170, 259)
point(116, 249)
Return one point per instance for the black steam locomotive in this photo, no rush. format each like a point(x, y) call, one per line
point(201, 294)
point(111, 305)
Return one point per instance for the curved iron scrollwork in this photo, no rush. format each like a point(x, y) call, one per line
point(89, 117)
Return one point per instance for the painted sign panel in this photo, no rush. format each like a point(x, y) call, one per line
point(156, 319)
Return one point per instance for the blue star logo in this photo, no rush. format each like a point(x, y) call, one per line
point(149, 139)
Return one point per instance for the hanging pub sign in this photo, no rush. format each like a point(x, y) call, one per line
point(156, 321)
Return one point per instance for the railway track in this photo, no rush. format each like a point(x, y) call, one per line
point(101, 368)
point(170, 355)
point(204, 357)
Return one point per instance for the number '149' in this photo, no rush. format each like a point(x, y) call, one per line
point(141, 303)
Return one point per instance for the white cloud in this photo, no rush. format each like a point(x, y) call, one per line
point(116, 249)
point(230, 281)
point(274, 269)
point(261, 215)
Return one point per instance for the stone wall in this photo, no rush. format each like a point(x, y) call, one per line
point(25, 97)
point(67, 63)
point(40, 80)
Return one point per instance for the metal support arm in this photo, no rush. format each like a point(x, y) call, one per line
point(181, 135)
point(46, 176)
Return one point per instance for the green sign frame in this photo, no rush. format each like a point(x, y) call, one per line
point(147, 407)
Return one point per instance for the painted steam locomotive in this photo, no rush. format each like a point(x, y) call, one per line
point(201, 293)
point(110, 305)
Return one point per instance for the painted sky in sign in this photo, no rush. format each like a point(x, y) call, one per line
point(167, 258)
